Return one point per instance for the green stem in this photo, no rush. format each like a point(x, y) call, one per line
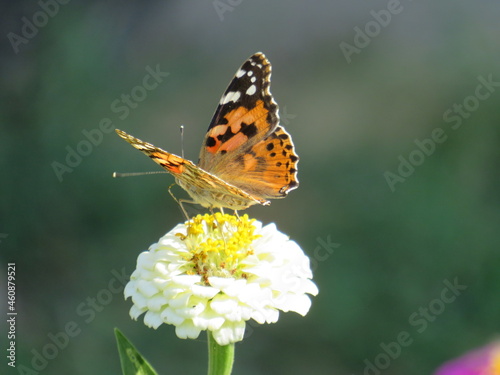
point(220, 358)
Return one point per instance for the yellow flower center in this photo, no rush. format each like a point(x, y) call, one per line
point(218, 243)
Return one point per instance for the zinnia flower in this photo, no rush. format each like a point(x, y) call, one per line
point(215, 272)
point(482, 361)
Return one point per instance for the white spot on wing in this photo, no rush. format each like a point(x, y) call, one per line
point(240, 72)
point(253, 79)
point(250, 73)
point(251, 90)
point(231, 96)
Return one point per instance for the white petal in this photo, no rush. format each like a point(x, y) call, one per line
point(139, 300)
point(170, 316)
point(187, 330)
point(204, 291)
point(300, 303)
point(266, 315)
point(152, 319)
point(229, 333)
point(159, 283)
point(181, 300)
point(162, 268)
point(157, 302)
point(234, 288)
point(223, 305)
point(208, 320)
point(186, 280)
point(130, 289)
point(191, 311)
point(146, 288)
point(246, 312)
point(220, 282)
point(171, 292)
point(309, 287)
point(258, 316)
point(145, 261)
point(135, 312)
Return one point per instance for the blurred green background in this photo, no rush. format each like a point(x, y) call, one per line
point(355, 105)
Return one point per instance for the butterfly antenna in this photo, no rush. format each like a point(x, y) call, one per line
point(118, 174)
point(182, 141)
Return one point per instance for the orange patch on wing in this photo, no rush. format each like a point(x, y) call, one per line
point(250, 162)
point(177, 169)
point(257, 116)
point(214, 132)
point(167, 161)
point(241, 114)
point(159, 155)
point(236, 141)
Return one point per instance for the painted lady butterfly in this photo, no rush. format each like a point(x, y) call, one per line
point(246, 157)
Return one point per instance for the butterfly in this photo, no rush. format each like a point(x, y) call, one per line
point(246, 157)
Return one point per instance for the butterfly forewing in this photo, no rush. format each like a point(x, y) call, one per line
point(246, 114)
point(204, 188)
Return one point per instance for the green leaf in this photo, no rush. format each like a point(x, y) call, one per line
point(133, 363)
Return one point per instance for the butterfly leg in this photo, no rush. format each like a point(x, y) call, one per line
point(172, 194)
point(220, 208)
point(180, 201)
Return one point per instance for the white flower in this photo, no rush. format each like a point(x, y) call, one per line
point(215, 272)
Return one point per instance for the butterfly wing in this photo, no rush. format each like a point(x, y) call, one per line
point(244, 144)
point(269, 169)
point(203, 187)
point(171, 162)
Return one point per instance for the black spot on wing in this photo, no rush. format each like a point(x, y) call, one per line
point(283, 136)
point(256, 71)
point(211, 142)
point(226, 136)
point(249, 130)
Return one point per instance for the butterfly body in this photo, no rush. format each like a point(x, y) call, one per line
point(246, 157)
